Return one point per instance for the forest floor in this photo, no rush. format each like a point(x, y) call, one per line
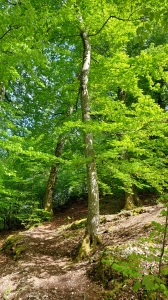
point(46, 269)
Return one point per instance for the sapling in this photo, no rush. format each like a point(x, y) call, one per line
point(163, 247)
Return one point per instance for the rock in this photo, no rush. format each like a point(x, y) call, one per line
point(14, 243)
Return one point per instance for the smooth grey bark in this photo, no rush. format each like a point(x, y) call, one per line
point(91, 236)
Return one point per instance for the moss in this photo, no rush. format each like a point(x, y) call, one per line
point(78, 224)
point(147, 225)
point(86, 248)
point(18, 251)
point(125, 213)
point(138, 210)
point(103, 220)
point(10, 241)
point(129, 202)
point(113, 293)
point(15, 244)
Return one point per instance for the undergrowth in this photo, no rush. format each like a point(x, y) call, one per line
point(147, 265)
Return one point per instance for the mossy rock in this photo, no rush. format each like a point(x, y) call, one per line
point(139, 210)
point(15, 244)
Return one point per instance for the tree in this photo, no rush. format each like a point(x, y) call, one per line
point(83, 76)
point(91, 236)
point(59, 42)
point(48, 201)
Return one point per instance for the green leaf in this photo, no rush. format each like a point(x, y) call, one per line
point(147, 26)
point(136, 286)
point(157, 15)
point(140, 30)
point(151, 16)
point(148, 282)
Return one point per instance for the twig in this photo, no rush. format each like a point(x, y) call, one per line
point(6, 33)
point(163, 249)
point(10, 28)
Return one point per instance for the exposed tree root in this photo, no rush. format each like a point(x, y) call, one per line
point(88, 247)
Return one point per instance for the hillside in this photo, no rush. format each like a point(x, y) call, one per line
point(46, 270)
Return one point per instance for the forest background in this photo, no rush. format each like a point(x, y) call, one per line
point(47, 123)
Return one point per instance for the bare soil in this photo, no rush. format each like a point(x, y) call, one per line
point(46, 270)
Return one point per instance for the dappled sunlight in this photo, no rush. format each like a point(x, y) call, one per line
point(46, 269)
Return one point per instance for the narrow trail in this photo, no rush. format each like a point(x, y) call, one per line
point(46, 269)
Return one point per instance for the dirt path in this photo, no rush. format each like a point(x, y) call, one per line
point(46, 269)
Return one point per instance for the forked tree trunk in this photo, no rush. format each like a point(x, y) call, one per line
point(48, 201)
point(91, 235)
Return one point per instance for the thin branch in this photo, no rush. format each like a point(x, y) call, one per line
point(7, 98)
point(10, 28)
point(6, 33)
point(162, 250)
point(7, 52)
point(100, 29)
point(94, 59)
point(113, 17)
point(77, 98)
point(163, 242)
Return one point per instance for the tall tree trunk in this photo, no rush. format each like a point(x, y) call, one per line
point(131, 198)
point(48, 201)
point(91, 235)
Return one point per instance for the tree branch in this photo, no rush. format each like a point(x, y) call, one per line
point(113, 17)
point(6, 33)
point(7, 98)
point(10, 28)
